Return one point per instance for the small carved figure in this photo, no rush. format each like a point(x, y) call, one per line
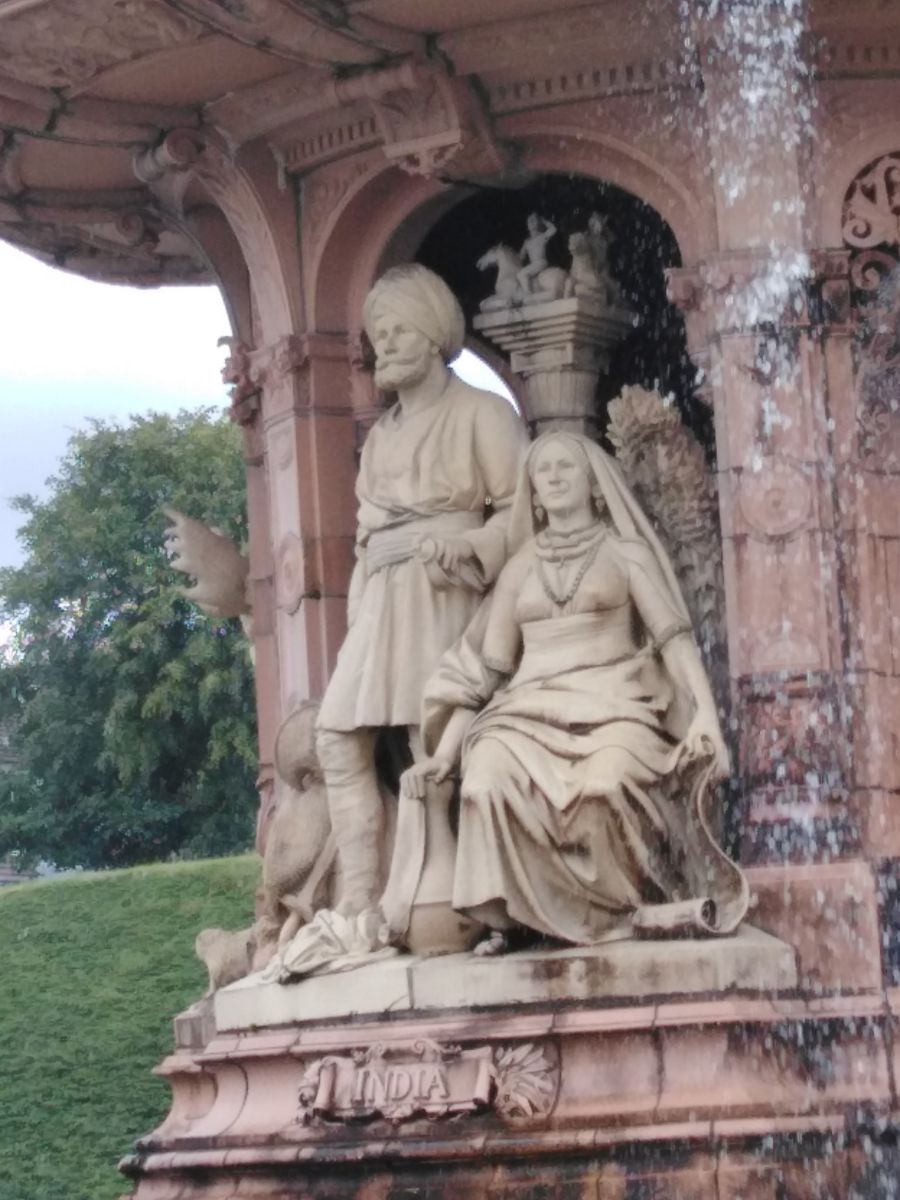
point(599, 239)
point(534, 252)
point(299, 864)
point(584, 279)
point(549, 284)
point(585, 726)
point(590, 273)
point(228, 955)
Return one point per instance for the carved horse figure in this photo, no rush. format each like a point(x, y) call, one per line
point(548, 284)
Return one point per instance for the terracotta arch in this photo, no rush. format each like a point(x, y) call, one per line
point(548, 147)
point(261, 218)
point(381, 207)
point(384, 214)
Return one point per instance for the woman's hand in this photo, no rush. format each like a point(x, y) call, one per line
point(414, 780)
point(703, 740)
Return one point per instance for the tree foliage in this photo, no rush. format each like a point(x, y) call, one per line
point(133, 713)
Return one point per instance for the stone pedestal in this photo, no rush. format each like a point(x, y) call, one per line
point(560, 348)
point(458, 1078)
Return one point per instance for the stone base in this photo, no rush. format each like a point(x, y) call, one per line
point(749, 961)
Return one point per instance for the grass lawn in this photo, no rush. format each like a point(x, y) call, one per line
point(93, 969)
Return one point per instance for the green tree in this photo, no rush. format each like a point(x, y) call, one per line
point(133, 713)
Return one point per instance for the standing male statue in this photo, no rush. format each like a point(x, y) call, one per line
point(436, 468)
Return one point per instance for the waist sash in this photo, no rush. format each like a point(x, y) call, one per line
point(399, 543)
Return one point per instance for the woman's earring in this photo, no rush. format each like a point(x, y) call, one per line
point(539, 513)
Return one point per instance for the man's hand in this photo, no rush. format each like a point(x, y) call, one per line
point(414, 781)
point(450, 553)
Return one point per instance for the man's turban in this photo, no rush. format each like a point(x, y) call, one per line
point(421, 299)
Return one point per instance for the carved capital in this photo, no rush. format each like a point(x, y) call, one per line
point(250, 372)
point(737, 292)
point(237, 373)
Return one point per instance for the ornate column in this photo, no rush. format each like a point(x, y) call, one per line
point(773, 442)
point(863, 380)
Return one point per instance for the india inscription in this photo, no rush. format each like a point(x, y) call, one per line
point(397, 1082)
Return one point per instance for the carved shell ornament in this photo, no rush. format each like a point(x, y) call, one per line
point(527, 1080)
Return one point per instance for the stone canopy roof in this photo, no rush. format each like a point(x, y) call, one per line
point(89, 89)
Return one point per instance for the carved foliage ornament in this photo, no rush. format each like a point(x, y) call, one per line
point(68, 42)
point(872, 206)
point(422, 1078)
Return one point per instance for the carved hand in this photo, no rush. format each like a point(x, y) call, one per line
point(449, 552)
point(703, 740)
point(413, 781)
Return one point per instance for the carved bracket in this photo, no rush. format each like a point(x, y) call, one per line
point(438, 126)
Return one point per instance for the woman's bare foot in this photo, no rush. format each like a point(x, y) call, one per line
point(494, 944)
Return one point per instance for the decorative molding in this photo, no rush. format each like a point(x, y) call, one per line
point(293, 573)
point(775, 501)
point(331, 140)
point(779, 649)
point(321, 196)
point(99, 245)
point(788, 739)
point(305, 32)
point(585, 33)
point(871, 215)
point(68, 42)
point(566, 84)
point(837, 60)
point(854, 109)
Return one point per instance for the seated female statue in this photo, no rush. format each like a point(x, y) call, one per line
point(581, 715)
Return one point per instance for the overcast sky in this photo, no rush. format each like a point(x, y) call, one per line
point(71, 350)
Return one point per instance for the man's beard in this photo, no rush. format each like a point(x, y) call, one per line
point(397, 374)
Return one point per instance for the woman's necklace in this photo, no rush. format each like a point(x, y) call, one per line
point(590, 553)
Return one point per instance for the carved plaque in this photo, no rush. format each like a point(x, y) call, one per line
point(397, 1082)
point(424, 1079)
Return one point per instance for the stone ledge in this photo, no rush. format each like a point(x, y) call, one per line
point(749, 961)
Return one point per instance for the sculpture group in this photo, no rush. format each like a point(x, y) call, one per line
point(517, 637)
point(525, 277)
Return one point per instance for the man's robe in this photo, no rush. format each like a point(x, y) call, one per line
point(447, 470)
